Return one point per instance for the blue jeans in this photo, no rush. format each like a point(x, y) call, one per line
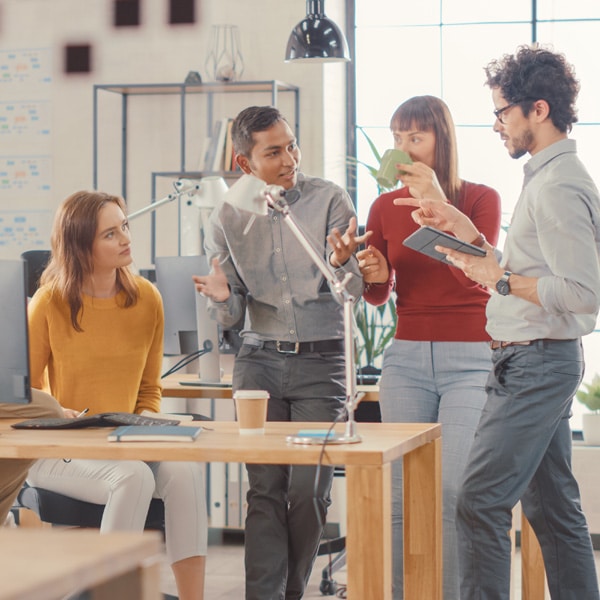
point(287, 506)
point(428, 382)
point(522, 450)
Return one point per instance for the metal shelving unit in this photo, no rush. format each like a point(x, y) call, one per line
point(273, 88)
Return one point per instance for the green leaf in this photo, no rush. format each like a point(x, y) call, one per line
point(589, 394)
point(352, 160)
point(371, 145)
point(375, 328)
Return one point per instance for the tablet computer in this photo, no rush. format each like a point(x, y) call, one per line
point(426, 238)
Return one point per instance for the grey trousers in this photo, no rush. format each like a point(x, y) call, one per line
point(427, 382)
point(522, 450)
point(287, 505)
point(14, 471)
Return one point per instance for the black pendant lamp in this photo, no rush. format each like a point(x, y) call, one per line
point(317, 38)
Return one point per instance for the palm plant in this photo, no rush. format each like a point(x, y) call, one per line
point(375, 326)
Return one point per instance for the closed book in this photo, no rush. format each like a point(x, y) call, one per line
point(228, 157)
point(154, 433)
point(219, 157)
point(211, 147)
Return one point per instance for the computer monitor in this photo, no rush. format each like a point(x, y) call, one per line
point(14, 342)
point(188, 325)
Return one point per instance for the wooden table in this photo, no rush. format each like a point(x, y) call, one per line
point(173, 388)
point(533, 576)
point(368, 484)
point(46, 564)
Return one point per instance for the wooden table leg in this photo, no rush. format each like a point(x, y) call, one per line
point(423, 523)
point(533, 575)
point(28, 518)
point(369, 532)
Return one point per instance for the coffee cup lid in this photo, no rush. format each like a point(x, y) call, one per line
point(242, 394)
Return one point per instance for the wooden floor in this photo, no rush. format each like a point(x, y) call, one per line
point(225, 573)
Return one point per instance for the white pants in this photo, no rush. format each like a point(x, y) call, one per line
point(126, 488)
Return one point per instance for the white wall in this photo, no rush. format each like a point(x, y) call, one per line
point(158, 53)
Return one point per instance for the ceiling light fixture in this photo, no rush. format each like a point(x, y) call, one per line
point(317, 38)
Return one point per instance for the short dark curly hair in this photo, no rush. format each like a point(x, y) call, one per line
point(535, 73)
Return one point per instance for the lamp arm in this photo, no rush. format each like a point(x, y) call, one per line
point(278, 202)
point(179, 191)
point(153, 206)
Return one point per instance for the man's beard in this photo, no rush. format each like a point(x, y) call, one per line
point(522, 144)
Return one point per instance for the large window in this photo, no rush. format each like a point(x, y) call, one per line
point(440, 47)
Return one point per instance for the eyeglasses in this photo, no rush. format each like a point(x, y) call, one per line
point(499, 114)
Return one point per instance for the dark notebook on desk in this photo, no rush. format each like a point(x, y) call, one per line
point(109, 419)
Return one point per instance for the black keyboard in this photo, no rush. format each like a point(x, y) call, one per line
point(111, 419)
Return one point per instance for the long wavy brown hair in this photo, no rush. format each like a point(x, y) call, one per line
point(73, 234)
point(428, 113)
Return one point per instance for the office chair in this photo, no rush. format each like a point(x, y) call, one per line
point(57, 509)
point(36, 263)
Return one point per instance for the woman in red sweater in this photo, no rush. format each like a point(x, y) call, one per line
point(437, 366)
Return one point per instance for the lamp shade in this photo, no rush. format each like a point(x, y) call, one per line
point(317, 38)
point(248, 193)
point(202, 197)
point(210, 191)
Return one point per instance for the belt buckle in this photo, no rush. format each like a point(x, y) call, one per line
point(295, 350)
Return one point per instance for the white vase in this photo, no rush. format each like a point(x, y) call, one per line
point(591, 429)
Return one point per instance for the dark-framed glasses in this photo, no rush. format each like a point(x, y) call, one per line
point(499, 113)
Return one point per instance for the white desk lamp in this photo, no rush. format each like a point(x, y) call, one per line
point(253, 195)
point(202, 196)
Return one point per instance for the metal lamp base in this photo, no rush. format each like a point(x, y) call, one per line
point(340, 438)
point(350, 436)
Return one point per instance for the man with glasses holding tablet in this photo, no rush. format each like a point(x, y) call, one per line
point(547, 281)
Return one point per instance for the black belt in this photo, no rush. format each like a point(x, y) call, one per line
point(495, 344)
point(299, 347)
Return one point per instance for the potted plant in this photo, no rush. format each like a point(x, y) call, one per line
point(589, 396)
point(375, 327)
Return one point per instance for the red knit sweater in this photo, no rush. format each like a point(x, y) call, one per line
point(435, 301)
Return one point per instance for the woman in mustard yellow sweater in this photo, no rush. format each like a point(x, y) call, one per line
point(96, 338)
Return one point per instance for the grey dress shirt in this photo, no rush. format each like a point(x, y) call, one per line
point(271, 275)
point(554, 235)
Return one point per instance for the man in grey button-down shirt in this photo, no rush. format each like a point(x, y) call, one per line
point(548, 296)
point(292, 338)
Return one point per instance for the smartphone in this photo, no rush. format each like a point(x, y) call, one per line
point(426, 238)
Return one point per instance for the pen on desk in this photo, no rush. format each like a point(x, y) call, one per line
point(83, 412)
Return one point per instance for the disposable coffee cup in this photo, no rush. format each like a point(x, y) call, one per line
point(387, 176)
point(251, 409)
